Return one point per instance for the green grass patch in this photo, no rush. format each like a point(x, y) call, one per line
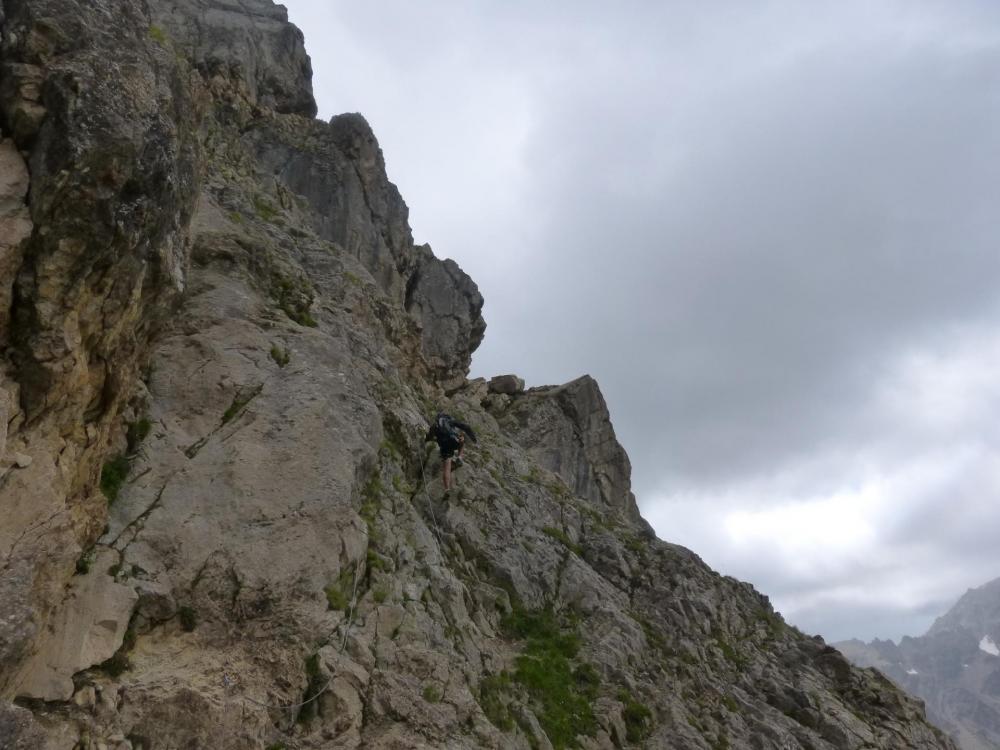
point(560, 490)
point(561, 689)
point(380, 594)
point(264, 208)
point(532, 477)
point(113, 476)
point(294, 297)
point(432, 693)
point(280, 355)
point(494, 699)
point(240, 400)
point(338, 595)
point(637, 717)
point(375, 561)
point(402, 486)
point(85, 561)
point(636, 545)
point(315, 683)
point(137, 432)
point(158, 35)
point(772, 622)
point(371, 495)
point(733, 656)
point(561, 536)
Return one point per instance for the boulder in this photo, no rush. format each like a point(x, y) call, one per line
point(506, 384)
point(87, 630)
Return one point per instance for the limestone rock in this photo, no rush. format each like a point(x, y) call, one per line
point(568, 429)
point(18, 729)
point(247, 42)
point(89, 629)
point(448, 304)
point(337, 170)
point(113, 163)
point(506, 384)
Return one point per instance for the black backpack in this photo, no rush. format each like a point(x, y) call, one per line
point(444, 428)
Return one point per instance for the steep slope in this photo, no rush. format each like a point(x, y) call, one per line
point(224, 529)
point(954, 667)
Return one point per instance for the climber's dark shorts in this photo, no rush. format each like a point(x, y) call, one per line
point(449, 447)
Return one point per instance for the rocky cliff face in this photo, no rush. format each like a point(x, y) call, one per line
point(954, 667)
point(222, 527)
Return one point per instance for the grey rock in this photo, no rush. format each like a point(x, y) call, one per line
point(111, 193)
point(448, 305)
point(568, 430)
point(247, 43)
point(90, 629)
point(338, 172)
point(506, 384)
point(18, 729)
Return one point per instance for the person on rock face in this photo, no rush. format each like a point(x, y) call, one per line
point(450, 436)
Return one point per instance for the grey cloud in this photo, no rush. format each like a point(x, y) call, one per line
point(742, 220)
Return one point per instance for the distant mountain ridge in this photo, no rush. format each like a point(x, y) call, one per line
point(954, 668)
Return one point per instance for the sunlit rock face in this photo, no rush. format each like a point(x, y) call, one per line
point(222, 525)
point(954, 667)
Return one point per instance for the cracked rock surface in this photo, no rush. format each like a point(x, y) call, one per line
point(222, 350)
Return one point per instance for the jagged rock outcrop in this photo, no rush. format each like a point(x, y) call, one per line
point(568, 430)
point(224, 347)
point(448, 305)
point(954, 667)
point(247, 43)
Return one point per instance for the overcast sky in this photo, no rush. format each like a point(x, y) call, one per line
point(769, 230)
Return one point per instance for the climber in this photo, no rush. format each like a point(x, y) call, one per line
point(450, 436)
